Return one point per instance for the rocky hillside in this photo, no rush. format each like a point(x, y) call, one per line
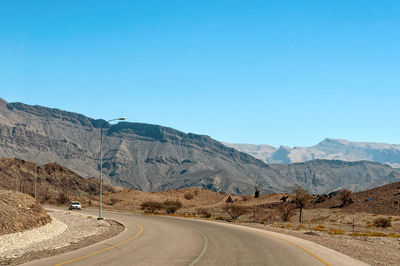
point(52, 180)
point(380, 200)
point(154, 158)
point(329, 149)
point(19, 212)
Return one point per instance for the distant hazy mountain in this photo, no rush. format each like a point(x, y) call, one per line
point(330, 149)
point(152, 158)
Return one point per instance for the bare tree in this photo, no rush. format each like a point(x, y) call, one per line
point(235, 211)
point(301, 198)
point(285, 211)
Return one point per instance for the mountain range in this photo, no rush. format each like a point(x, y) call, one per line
point(154, 158)
point(329, 149)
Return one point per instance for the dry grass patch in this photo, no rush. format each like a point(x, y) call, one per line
point(335, 231)
point(320, 228)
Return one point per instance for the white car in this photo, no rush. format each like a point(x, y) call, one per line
point(75, 205)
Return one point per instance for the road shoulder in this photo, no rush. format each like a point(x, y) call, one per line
point(74, 230)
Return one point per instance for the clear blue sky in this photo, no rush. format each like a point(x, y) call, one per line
point(262, 72)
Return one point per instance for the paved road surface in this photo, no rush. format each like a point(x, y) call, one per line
point(150, 240)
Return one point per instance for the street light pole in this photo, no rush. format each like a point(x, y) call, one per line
point(36, 173)
point(101, 167)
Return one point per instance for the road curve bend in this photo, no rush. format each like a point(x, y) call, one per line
point(159, 240)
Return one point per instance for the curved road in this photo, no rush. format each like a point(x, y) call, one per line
point(158, 240)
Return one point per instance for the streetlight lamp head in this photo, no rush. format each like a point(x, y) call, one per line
point(122, 118)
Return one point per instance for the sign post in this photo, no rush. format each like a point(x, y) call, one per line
point(229, 201)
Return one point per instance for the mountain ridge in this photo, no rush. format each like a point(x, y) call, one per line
point(329, 148)
point(153, 158)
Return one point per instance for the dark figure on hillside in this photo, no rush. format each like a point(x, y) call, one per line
point(284, 198)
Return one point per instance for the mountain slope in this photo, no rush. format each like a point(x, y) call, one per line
point(152, 158)
point(51, 179)
point(142, 156)
point(330, 149)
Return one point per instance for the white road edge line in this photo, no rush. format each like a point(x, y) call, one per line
point(196, 260)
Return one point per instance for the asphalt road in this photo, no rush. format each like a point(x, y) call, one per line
point(157, 240)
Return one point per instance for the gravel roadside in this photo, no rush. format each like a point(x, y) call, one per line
point(57, 237)
point(371, 250)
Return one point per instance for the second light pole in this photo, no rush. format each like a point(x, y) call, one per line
point(101, 167)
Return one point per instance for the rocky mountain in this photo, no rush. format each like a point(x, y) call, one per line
point(51, 179)
point(153, 158)
point(329, 149)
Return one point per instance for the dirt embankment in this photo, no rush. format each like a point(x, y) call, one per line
point(19, 212)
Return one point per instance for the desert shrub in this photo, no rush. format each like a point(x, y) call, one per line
point(320, 228)
point(285, 211)
point(207, 215)
point(196, 192)
point(289, 226)
point(335, 231)
point(151, 206)
point(244, 198)
point(369, 224)
point(188, 196)
point(203, 213)
point(113, 201)
point(358, 234)
point(345, 197)
point(172, 206)
point(393, 235)
point(220, 218)
point(235, 211)
point(62, 198)
point(382, 222)
point(379, 234)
